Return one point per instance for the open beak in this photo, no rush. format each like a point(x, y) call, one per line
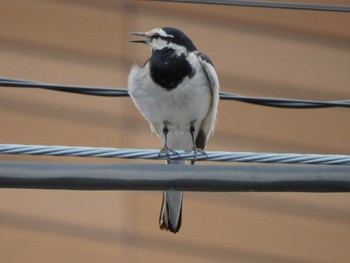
point(141, 34)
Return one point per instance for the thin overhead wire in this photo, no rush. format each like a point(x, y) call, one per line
point(150, 154)
point(121, 92)
point(96, 91)
point(285, 103)
point(222, 178)
point(268, 4)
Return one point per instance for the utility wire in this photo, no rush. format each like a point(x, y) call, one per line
point(96, 91)
point(223, 178)
point(120, 92)
point(150, 154)
point(268, 4)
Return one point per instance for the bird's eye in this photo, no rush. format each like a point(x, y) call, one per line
point(156, 35)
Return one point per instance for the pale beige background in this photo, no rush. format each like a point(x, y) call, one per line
point(257, 52)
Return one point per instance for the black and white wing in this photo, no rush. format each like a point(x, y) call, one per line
point(208, 124)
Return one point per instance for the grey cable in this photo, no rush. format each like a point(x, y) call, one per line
point(221, 178)
point(269, 4)
point(103, 152)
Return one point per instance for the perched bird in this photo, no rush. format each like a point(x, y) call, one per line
point(177, 92)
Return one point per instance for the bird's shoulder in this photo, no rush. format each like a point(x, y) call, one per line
point(210, 71)
point(204, 57)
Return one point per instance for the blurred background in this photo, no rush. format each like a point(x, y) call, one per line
point(256, 51)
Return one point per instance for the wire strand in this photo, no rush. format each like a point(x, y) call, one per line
point(151, 154)
point(96, 91)
point(120, 92)
point(268, 4)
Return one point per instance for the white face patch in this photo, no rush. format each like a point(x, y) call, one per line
point(158, 43)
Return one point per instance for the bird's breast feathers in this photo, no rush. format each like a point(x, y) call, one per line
point(188, 102)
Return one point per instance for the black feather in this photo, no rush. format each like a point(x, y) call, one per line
point(168, 69)
point(180, 38)
point(201, 140)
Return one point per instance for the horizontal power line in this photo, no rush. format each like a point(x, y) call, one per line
point(246, 157)
point(122, 92)
point(96, 91)
point(233, 178)
point(268, 4)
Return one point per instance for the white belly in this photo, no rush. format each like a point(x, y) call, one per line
point(178, 108)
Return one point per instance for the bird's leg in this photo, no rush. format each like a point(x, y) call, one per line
point(165, 150)
point(194, 148)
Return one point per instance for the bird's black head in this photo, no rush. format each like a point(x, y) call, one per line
point(166, 37)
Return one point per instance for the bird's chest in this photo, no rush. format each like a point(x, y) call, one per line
point(188, 102)
point(168, 70)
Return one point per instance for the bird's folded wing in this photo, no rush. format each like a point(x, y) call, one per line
point(208, 123)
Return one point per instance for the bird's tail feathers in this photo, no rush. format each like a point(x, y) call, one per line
point(171, 210)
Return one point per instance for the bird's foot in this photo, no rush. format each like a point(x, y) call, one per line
point(167, 152)
point(195, 151)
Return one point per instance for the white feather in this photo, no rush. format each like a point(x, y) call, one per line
point(194, 101)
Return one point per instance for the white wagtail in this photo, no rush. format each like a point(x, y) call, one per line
point(177, 92)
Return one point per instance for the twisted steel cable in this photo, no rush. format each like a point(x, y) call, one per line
point(151, 154)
